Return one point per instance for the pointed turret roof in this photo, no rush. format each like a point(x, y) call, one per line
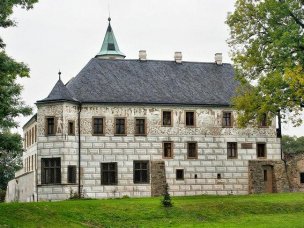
point(59, 93)
point(109, 48)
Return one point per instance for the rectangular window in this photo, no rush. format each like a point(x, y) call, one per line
point(227, 119)
point(231, 150)
point(72, 174)
point(179, 174)
point(71, 128)
point(111, 47)
point(50, 171)
point(168, 150)
point(190, 119)
point(97, 126)
point(302, 178)
point(261, 150)
point(263, 122)
point(192, 150)
point(120, 126)
point(35, 133)
point(167, 118)
point(265, 175)
point(140, 126)
point(141, 172)
point(50, 126)
point(108, 173)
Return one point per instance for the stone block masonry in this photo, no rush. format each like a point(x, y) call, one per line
point(212, 172)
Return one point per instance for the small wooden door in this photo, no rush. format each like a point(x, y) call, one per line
point(268, 178)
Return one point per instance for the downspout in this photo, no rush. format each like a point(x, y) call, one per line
point(79, 151)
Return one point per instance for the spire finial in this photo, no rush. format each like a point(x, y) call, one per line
point(59, 73)
point(109, 19)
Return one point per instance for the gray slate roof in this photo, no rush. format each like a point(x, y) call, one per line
point(151, 82)
point(59, 93)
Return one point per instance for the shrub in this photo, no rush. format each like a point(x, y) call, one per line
point(167, 198)
point(2, 195)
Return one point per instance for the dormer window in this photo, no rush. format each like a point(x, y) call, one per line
point(111, 47)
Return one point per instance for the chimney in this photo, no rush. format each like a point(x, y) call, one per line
point(142, 55)
point(178, 57)
point(218, 58)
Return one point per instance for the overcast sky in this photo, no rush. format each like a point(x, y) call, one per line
point(66, 34)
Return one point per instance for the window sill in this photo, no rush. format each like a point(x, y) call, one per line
point(167, 157)
point(143, 135)
point(232, 158)
point(167, 126)
point(227, 126)
point(49, 185)
point(98, 134)
point(120, 134)
point(192, 158)
point(142, 183)
point(190, 126)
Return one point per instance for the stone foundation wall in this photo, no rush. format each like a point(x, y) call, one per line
point(256, 176)
point(295, 165)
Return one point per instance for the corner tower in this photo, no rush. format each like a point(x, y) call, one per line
point(109, 48)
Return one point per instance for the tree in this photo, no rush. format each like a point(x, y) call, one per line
point(10, 156)
point(267, 47)
point(11, 104)
point(292, 144)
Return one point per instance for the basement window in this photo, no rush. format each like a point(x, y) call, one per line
point(302, 178)
point(179, 174)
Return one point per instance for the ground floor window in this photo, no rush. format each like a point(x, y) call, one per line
point(109, 173)
point(50, 171)
point(72, 174)
point(302, 178)
point(141, 172)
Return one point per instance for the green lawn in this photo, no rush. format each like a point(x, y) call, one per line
point(273, 210)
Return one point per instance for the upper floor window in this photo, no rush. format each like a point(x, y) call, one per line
point(120, 126)
point(98, 125)
point(50, 126)
point(168, 150)
point(192, 150)
point(227, 119)
point(167, 118)
point(261, 150)
point(71, 128)
point(190, 119)
point(263, 122)
point(50, 171)
point(231, 150)
point(141, 171)
point(140, 126)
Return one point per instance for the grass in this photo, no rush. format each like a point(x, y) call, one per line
point(266, 210)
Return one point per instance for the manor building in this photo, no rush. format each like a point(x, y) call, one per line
point(127, 127)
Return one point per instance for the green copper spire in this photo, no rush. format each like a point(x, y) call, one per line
point(109, 48)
